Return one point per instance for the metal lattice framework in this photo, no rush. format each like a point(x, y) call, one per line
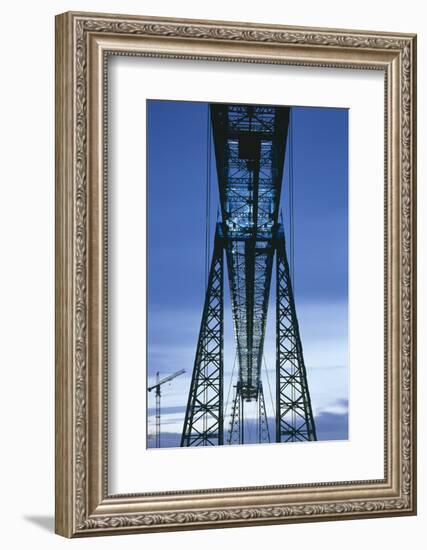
point(204, 421)
point(263, 429)
point(250, 143)
point(294, 417)
point(236, 434)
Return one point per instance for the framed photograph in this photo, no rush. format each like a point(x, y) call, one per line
point(235, 274)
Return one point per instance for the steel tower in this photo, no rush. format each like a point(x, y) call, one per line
point(250, 143)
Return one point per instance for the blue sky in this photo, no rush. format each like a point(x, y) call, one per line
point(176, 255)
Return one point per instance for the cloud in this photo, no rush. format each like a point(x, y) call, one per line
point(168, 440)
point(173, 341)
point(330, 426)
point(167, 410)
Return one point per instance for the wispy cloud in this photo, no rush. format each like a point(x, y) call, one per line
point(331, 424)
point(324, 334)
point(329, 427)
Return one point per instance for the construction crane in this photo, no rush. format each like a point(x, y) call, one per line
point(157, 386)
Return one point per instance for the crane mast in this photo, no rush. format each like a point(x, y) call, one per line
point(157, 387)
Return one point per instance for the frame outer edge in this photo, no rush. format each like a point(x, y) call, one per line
point(413, 229)
point(73, 400)
point(249, 25)
point(64, 237)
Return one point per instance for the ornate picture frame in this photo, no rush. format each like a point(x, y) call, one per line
point(84, 42)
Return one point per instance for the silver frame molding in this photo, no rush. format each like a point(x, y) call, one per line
point(83, 43)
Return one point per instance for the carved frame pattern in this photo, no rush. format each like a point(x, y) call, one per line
point(83, 506)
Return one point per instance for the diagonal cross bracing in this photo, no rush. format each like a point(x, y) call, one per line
point(250, 146)
point(250, 143)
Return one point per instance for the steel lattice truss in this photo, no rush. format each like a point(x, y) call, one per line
point(250, 144)
point(263, 430)
point(249, 150)
point(294, 418)
point(236, 433)
point(204, 422)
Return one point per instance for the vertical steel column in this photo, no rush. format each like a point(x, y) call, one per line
point(294, 415)
point(203, 424)
point(235, 435)
point(263, 429)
